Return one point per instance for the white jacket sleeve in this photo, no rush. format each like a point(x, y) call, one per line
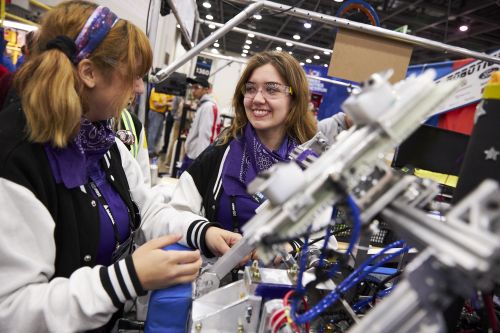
point(30, 300)
point(158, 218)
point(332, 126)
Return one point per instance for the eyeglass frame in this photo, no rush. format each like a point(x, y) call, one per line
point(285, 89)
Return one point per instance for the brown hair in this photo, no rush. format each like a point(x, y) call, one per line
point(299, 124)
point(51, 92)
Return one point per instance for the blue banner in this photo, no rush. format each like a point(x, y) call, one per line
point(331, 95)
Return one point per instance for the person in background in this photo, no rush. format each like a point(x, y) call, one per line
point(25, 49)
point(333, 125)
point(176, 113)
point(205, 126)
point(158, 103)
point(5, 60)
point(6, 76)
point(72, 194)
point(271, 118)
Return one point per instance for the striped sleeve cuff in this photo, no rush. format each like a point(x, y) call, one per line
point(196, 236)
point(121, 282)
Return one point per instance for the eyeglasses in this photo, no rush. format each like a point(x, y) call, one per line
point(270, 90)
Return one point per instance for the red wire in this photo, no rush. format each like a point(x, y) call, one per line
point(488, 303)
point(306, 307)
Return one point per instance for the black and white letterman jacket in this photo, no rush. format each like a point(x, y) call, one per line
point(49, 236)
point(199, 188)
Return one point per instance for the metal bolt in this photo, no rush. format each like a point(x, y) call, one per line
point(197, 327)
point(248, 316)
point(254, 270)
point(240, 329)
point(293, 272)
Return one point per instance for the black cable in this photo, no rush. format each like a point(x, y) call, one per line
point(383, 283)
point(232, 5)
point(148, 88)
point(272, 239)
point(296, 4)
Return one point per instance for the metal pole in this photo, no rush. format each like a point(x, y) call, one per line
point(220, 56)
point(376, 31)
point(154, 17)
point(274, 38)
point(195, 41)
point(232, 59)
point(340, 83)
point(184, 30)
point(242, 16)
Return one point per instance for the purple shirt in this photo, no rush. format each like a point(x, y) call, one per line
point(245, 204)
point(107, 242)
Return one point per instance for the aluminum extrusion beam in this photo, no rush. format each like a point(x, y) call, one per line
point(233, 59)
point(340, 83)
point(223, 57)
point(372, 30)
point(273, 38)
point(243, 15)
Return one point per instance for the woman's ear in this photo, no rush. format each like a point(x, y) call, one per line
point(87, 73)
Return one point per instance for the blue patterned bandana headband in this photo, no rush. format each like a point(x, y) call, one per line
point(94, 31)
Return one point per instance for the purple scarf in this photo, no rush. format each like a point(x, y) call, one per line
point(247, 157)
point(70, 164)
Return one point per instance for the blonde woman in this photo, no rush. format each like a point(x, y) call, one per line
point(72, 194)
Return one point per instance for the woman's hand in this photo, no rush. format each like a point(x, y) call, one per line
point(157, 268)
point(219, 241)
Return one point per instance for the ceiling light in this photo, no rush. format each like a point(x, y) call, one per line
point(338, 0)
point(209, 17)
point(257, 16)
point(243, 55)
point(216, 44)
point(211, 26)
point(245, 51)
point(289, 44)
point(308, 61)
point(296, 37)
point(290, 52)
point(316, 56)
point(19, 26)
point(246, 47)
point(278, 48)
point(463, 28)
point(248, 41)
point(215, 51)
point(301, 64)
point(251, 35)
point(325, 65)
point(207, 4)
point(307, 25)
point(326, 52)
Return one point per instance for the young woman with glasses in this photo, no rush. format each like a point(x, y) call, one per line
point(271, 119)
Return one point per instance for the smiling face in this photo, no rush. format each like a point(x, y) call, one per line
point(267, 115)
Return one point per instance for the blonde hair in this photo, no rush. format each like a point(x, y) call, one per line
point(299, 123)
point(51, 92)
